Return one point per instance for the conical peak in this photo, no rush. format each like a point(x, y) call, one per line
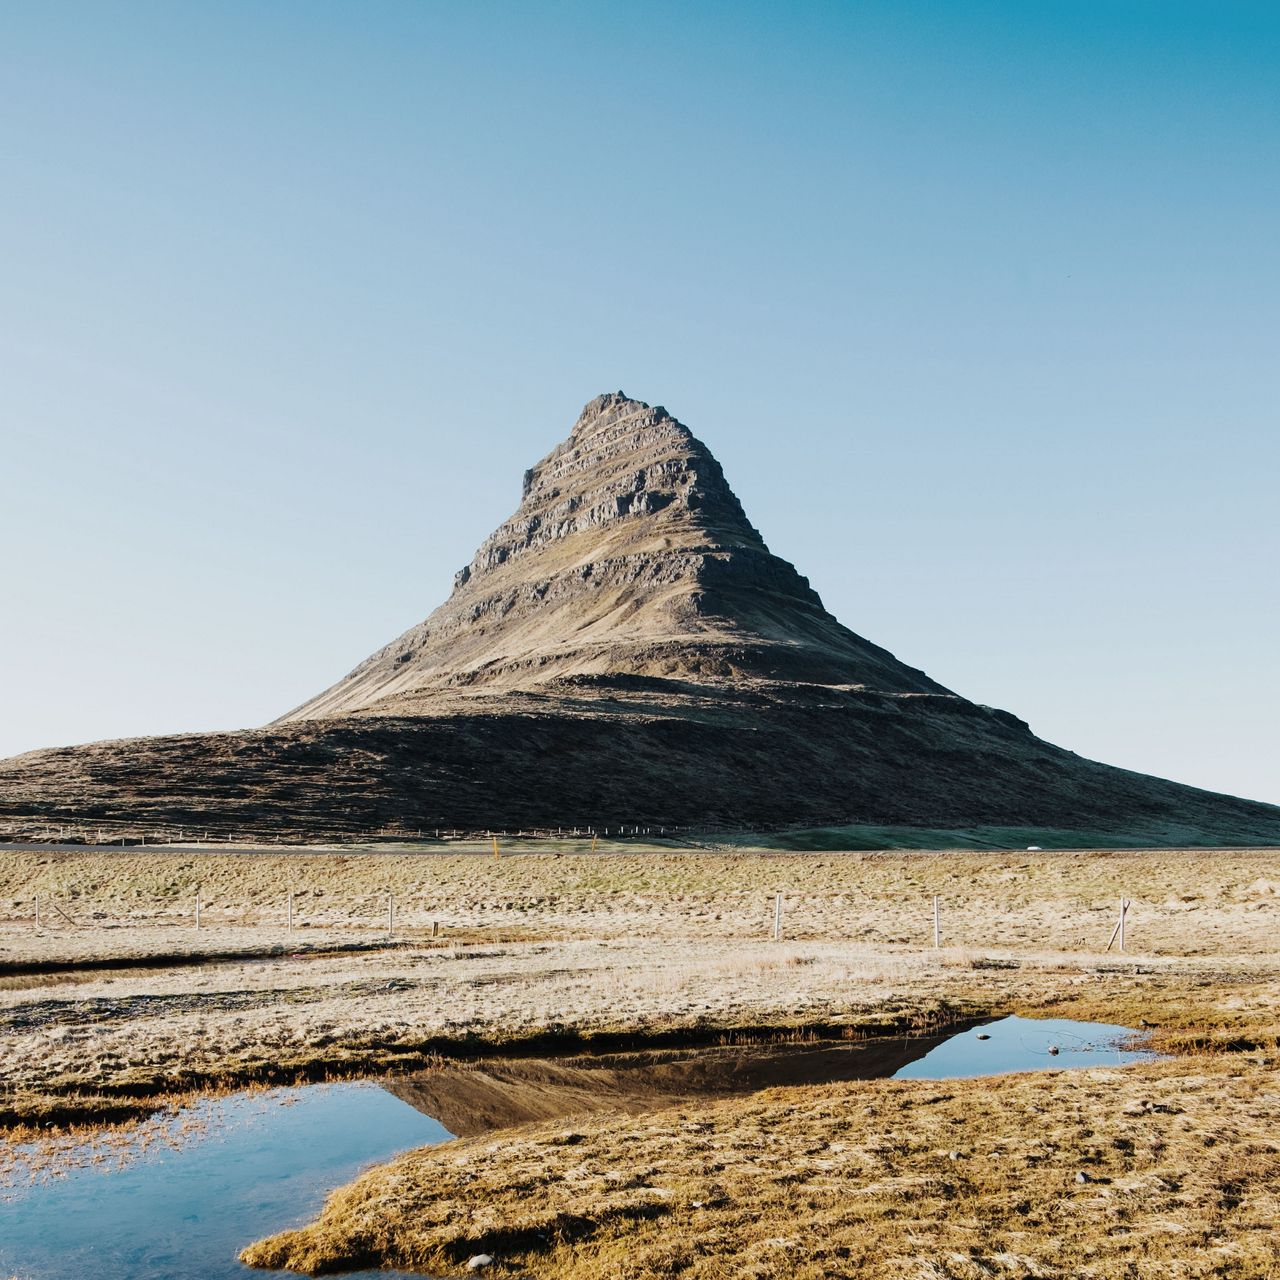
point(629, 555)
point(627, 469)
point(614, 416)
point(610, 408)
point(607, 425)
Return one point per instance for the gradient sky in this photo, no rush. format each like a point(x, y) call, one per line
point(977, 303)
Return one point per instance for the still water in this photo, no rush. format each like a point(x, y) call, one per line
point(246, 1166)
point(1025, 1044)
point(228, 1171)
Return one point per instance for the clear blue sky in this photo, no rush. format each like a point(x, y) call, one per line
point(977, 303)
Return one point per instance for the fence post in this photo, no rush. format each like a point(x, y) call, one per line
point(937, 924)
point(1118, 931)
point(391, 915)
point(290, 910)
point(37, 911)
point(197, 906)
point(777, 917)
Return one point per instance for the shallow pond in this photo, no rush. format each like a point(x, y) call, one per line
point(226, 1172)
point(180, 1204)
point(1025, 1044)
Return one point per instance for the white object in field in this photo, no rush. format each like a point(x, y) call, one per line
point(478, 1262)
point(1118, 931)
point(1034, 848)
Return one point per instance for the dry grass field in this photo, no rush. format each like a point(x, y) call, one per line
point(1185, 902)
point(537, 951)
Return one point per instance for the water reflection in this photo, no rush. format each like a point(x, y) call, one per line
point(230, 1170)
point(245, 1166)
point(1025, 1044)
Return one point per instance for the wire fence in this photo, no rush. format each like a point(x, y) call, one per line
point(131, 832)
point(409, 916)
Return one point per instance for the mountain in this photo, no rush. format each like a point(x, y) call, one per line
point(628, 556)
point(625, 649)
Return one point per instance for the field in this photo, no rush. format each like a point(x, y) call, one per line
point(116, 1005)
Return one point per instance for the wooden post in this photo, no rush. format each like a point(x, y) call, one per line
point(435, 928)
point(1118, 931)
point(777, 917)
point(37, 911)
point(290, 910)
point(391, 914)
point(937, 924)
point(594, 841)
point(496, 854)
point(53, 902)
point(197, 906)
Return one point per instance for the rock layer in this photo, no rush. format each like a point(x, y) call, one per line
point(624, 650)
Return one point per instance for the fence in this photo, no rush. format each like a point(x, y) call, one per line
point(127, 833)
point(387, 914)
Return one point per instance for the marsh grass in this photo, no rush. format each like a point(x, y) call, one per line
point(543, 952)
point(1169, 1169)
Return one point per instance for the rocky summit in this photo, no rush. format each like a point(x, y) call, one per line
point(625, 650)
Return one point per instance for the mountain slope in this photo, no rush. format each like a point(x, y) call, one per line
point(624, 650)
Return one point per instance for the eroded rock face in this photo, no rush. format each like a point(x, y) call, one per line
point(629, 555)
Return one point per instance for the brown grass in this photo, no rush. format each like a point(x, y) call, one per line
point(1184, 902)
point(542, 952)
point(1169, 1169)
point(577, 951)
